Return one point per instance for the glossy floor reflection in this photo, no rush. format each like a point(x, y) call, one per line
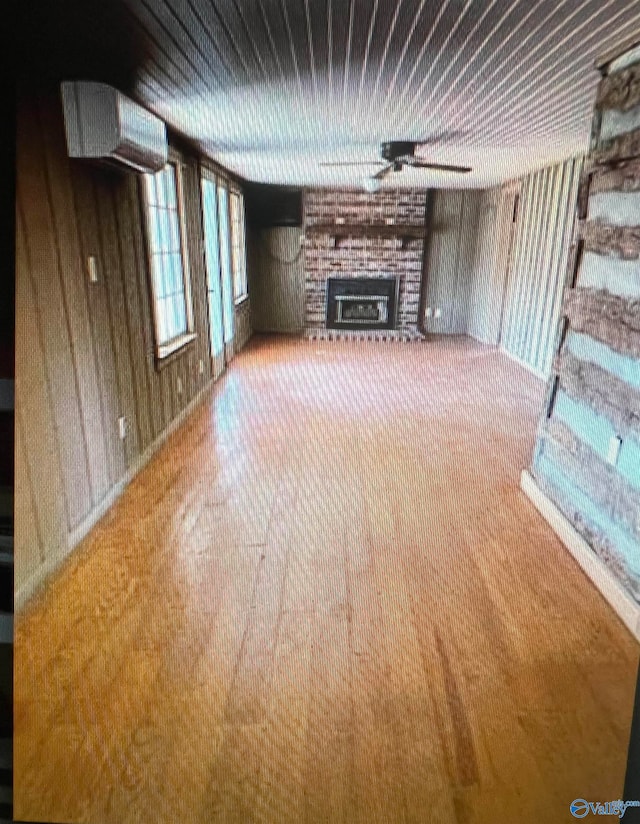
point(327, 600)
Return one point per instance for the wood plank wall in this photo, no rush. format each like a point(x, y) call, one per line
point(467, 261)
point(85, 351)
point(536, 278)
point(495, 234)
point(451, 253)
point(243, 327)
point(594, 394)
point(496, 281)
point(276, 267)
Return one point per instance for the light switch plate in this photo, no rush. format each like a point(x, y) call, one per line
point(122, 427)
point(179, 385)
point(437, 313)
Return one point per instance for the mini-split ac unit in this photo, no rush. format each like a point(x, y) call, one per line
point(103, 124)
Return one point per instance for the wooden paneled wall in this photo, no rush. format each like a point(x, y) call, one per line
point(500, 281)
point(243, 328)
point(466, 263)
point(538, 266)
point(85, 350)
point(449, 267)
point(276, 270)
point(587, 457)
point(496, 229)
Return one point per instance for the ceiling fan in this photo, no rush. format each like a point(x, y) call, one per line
point(397, 154)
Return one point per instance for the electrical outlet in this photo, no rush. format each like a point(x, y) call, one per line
point(179, 385)
point(614, 450)
point(389, 221)
point(428, 312)
point(122, 427)
point(201, 366)
point(92, 269)
point(437, 313)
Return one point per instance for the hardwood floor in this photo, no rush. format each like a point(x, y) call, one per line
point(327, 600)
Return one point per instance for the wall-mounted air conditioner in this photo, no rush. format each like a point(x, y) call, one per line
point(103, 124)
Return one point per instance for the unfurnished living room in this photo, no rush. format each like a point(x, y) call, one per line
point(327, 411)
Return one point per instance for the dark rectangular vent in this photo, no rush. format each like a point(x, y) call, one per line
point(268, 206)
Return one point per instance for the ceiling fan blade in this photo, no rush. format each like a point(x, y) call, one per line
point(441, 167)
point(351, 163)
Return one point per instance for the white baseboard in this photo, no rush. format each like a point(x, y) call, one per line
point(537, 372)
point(25, 591)
point(627, 609)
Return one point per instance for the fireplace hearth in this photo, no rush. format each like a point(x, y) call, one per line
point(361, 303)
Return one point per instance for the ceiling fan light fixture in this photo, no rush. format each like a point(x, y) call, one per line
point(371, 185)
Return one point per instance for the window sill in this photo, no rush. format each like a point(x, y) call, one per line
point(240, 302)
point(168, 351)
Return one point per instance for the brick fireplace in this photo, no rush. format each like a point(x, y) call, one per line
point(372, 240)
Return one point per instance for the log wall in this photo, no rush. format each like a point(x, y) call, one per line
point(587, 456)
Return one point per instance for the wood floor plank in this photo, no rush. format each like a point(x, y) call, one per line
point(326, 599)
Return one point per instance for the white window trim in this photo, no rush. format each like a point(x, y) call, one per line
point(174, 345)
point(164, 350)
point(235, 190)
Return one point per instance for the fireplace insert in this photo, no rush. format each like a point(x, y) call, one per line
point(362, 303)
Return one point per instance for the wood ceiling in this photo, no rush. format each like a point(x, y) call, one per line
point(271, 88)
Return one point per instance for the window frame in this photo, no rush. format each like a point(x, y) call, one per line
point(213, 268)
point(164, 351)
point(235, 191)
point(223, 189)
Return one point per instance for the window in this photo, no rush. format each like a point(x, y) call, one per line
point(172, 311)
point(238, 252)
